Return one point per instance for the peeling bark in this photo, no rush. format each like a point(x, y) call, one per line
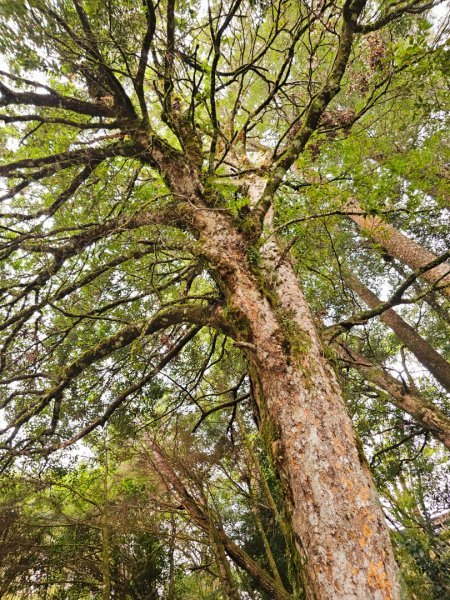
point(335, 512)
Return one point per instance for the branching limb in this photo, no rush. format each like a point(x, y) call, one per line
point(415, 7)
point(53, 100)
point(351, 11)
point(425, 413)
point(187, 313)
point(120, 399)
point(395, 299)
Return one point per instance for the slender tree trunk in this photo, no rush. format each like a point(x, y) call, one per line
point(426, 354)
point(431, 298)
point(402, 247)
point(268, 550)
point(171, 586)
point(335, 511)
point(106, 572)
point(423, 412)
point(223, 567)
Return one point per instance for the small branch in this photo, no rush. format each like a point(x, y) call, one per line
point(209, 412)
point(395, 299)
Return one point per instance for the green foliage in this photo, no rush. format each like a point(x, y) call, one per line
point(101, 238)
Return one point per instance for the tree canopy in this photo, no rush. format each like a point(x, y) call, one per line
point(224, 229)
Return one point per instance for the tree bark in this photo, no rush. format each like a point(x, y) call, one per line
point(335, 512)
point(423, 412)
point(425, 354)
point(402, 247)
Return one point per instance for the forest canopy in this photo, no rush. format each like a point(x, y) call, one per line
point(224, 298)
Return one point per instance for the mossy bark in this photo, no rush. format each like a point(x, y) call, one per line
point(336, 516)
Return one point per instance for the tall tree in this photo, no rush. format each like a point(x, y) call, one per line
point(137, 211)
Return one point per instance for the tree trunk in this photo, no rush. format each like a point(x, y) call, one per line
point(335, 511)
point(106, 571)
point(431, 298)
point(402, 248)
point(425, 354)
point(423, 412)
point(172, 539)
point(223, 567)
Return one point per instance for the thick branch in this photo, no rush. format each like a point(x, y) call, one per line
point(423, 412)
point(77, 181)
point(412, 8)
point(80, 242)
point(54, 100)
point(124, 395)
point(59, 121)
point(76, 285)
point(63, 160)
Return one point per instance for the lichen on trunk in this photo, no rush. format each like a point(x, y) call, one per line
point(336, 516)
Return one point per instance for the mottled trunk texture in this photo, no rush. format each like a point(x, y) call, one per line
point(425, 354)
point(335, 512)
point(402, 248)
